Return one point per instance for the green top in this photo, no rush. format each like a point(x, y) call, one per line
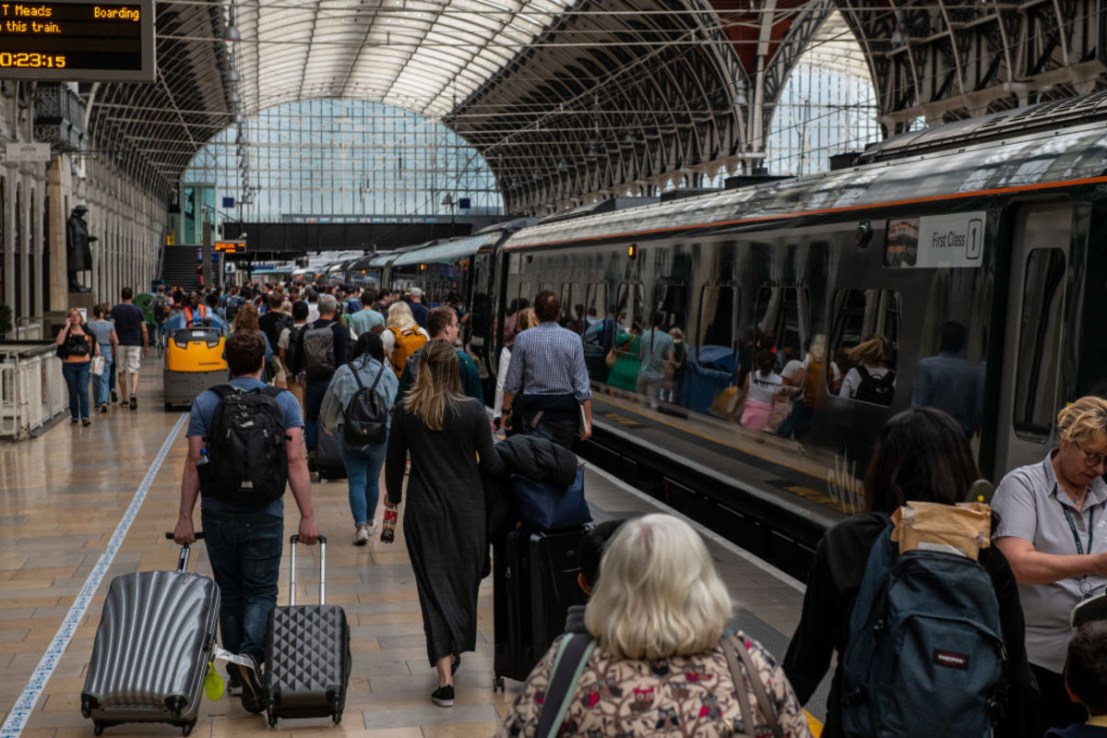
point(467, 371)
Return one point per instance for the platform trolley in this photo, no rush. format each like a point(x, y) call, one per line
point(193, 363)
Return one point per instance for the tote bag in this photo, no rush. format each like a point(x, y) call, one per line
point(546, 506)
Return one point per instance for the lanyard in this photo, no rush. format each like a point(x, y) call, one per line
point(1075, 535)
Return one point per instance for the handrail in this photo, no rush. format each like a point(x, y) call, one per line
point(32, 388)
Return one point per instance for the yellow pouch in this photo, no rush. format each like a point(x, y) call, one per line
point(963, 529)
point(213, 684)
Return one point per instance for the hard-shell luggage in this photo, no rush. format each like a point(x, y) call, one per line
point(534, 585)
point(328, 459)
point(152, 648)
point(307, 654)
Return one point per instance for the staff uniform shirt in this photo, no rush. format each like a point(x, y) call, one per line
point(203, 415)
point(1031, 506)
point(548, 360)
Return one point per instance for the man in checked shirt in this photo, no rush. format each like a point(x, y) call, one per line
point(546, 392)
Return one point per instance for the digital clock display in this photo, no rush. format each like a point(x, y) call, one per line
point(77, 40)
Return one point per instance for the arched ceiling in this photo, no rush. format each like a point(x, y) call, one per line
point(575, 99)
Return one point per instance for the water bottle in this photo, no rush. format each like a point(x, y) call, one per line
point(388, 530)
point(203, 457)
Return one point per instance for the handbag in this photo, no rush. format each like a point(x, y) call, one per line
point(611, 359)
point(97, 367)
point(739, 678)
point(546, 506)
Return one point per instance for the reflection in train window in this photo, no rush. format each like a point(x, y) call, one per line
point(717, 334)
point(595, 301)
point(863, 339)
point(572, 306)
point(1039, 345)
point(526, 293)
point(670, 299)
point(783, 311)
point(629, 304)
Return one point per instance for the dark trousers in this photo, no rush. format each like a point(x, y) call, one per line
point(560, 428)
point(245, 553)
point(1055, 709)
point(313, 403)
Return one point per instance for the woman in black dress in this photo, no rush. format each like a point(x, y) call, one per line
point(446, 433)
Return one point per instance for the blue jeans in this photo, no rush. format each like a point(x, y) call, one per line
point(313, 403)
point(363, 471)
point(76, 379)
point(245, 552)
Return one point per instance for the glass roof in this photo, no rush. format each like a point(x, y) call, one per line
point(423, 55)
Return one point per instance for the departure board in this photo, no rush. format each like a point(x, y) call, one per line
point(77, 40)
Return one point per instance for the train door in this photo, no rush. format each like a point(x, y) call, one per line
point(1034, 340)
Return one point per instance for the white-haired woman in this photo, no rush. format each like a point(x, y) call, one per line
point(658, 615)
point(450, 442)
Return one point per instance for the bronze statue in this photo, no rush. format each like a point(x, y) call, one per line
point(77, 252)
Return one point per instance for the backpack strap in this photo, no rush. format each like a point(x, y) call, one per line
point(882, 556)
point(734, 644)
point(572, 657)
point(865, 376)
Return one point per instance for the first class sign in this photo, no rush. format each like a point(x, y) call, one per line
point(77, 40)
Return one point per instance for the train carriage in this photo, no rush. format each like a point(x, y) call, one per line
point(1003, 238)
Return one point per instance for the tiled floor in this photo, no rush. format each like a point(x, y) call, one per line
point(62, 496)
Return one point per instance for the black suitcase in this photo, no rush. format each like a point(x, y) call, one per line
point(328, 460)
point(152, 648)
point(307, 654)
point(534, 585)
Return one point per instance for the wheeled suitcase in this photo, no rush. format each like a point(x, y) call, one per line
point(307, 654)
point(328, 460)
point(152, 648)
point(534, 585)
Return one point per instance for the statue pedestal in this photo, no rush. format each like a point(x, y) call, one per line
point(81, 300)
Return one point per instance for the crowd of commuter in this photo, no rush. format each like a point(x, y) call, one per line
point(397, 371)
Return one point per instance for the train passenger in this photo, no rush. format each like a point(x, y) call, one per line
point(948, 381)
point(524, 320)
point(286, 349)
point(442, 325)
point(921, 455)
point(870, 379)
point(510, 317)
point(321, 347)
point(76, 346)
point(589, 554)
point(404, 336)
point(1086, 681)
point(548, 377)
point(655, 354)
point(624, 360)
point(450, 443)
point(107, 339)
point(366, 318)
point(246, 319)
point(418, 309)
point(661, 661)
point(134, 343)
point(758, 393)
point(675, 368)
point(599, 339)
point(1051, 530)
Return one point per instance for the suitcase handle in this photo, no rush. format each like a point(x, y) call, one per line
point(182, 560)
point(322, 570)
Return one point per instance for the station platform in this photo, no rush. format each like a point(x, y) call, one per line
point(79, 506)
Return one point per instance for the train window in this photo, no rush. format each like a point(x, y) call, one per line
point(864, 335)
point(630, 304)
point(595, 300)
point(1039, 344)
point(525, 292)
point(783, 312)
point(572, 306)
point(717, 335)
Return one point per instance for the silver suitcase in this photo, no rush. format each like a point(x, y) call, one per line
point(152, 648)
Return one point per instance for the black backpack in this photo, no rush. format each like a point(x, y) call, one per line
point(292, 353)
point(877, 390)
point(246, 461)
point(274, 325)
point(319, 361)
point(365, 420)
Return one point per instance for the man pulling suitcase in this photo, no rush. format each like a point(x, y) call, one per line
point(245, 445)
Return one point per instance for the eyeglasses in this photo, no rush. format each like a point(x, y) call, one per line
point(1090, 460)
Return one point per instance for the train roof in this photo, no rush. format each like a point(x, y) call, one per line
point(1018, 162)
point(446, 253)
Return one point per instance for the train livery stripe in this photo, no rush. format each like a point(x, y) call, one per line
point(1038, 187)
point(25, 705)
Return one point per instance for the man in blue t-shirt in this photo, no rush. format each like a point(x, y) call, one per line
point(134, 343)
point(245, 543)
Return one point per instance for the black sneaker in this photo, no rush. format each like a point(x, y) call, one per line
point(253, 696)
point(443, 696)
point(134, 402)
point(114, 396)
point(234, 682)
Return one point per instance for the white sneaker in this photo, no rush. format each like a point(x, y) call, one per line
point(362, 535)
point(373, 526)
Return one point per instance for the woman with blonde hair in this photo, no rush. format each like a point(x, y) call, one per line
point(658, 614)
point(524, 319)
point(76, 347)
point(870, 369)
point(450, 444)
point(1050, 529)
point(403, 336)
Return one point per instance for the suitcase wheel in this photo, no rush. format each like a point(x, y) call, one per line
point(86, 708)
point(337, 717)
point(272, 718)
point(97, 728)
point(497, 684)
point(187, 729)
